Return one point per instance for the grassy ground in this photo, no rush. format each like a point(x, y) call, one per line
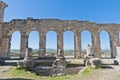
point(89, 73)
point(22, 74)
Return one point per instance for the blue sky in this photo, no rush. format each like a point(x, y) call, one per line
point(100, 11)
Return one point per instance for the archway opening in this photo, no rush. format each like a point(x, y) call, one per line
point(15, 44)
point(86, 39)
point(105, 44)
point(51, 43)
point(33, 42)
point(68, 40)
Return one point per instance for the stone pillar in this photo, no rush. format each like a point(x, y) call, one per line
point(89, 51)
point(42, 45)
point(24, 45)
point(113, 43)
point(77, 45)
point(5, 46)
point(116, 39)
point(96, 45)
point(0, 42)
point(2, 8)
point(60, 43)
point(0, 35)
point(1, 39)
point(28, 54)
point(9, 46)
point(118, 52)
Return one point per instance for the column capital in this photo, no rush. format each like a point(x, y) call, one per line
point(2, 8)
point(3, 5)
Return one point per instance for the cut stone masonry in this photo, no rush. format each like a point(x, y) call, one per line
point(42, 26)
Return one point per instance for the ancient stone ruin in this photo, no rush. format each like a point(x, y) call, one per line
point(57, 68)
point(42, 26)
point(25, 26)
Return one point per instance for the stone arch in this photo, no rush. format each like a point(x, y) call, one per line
point(88, 29)
point(50, 29)
point(28, 32)
point(84, 40)
point(14, 43)
point(11, 31)
point(105, 44)
point(33, 41)
point(104, 28)
point(68, 42)
point(51, 43)
point(60, 26)
point(69, 29)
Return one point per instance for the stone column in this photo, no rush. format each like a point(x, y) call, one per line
point(77, 45)
point(9, 46)
point(42, 45)
point(2, 8)
point(5, 46)
point(89, 51)
point(116, 38)
point(96, 45)
point(60, 43)
point(1, 25)
point(0, 35)
point(113, 43)
point(28, 54)
point(24, 45)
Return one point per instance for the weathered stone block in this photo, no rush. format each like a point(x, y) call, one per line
point(94, 62)
point(43, 70)
point(26, 64)
point(59, 66)
point(116, 62)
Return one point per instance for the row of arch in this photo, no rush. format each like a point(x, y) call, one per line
point(51, 41)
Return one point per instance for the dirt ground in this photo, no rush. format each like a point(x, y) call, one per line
point(4, 71)
point(110, 72)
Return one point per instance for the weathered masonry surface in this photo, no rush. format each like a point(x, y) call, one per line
point(42, 26)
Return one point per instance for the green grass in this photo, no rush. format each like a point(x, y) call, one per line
point(87, 70)
point(22, 73)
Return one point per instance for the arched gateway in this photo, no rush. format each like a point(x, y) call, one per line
point(42, 26)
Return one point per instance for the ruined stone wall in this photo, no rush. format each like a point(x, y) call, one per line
point(25, 26)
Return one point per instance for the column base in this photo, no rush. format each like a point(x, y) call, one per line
point(22, 56)
point(42, 53)
point(97, 55)
point(113, 57)
point(78, 55)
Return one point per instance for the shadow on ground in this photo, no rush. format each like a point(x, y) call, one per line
point(15, 79)
point(9, 64)
point(107, 67)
